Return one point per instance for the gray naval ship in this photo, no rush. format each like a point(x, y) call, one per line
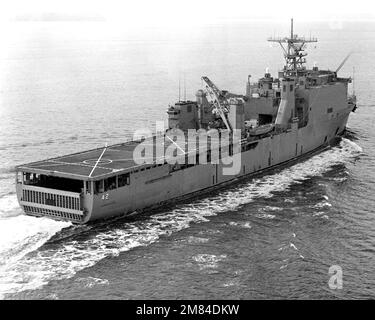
point(277, 121)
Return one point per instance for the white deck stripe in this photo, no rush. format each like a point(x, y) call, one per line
point(97, 162)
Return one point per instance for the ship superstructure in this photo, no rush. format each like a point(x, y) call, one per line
point(278, 119)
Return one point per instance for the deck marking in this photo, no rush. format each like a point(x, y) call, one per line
point(116, 150)
point(76, 164)
point(92, 161)
point(54, 171)
point(126, 148)
point(105, 148)
point(47, 165)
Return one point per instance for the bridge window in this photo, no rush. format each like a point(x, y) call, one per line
point(284, 88)
point(110, 183)
point(99, 186)
point(88, 187)
point(123, 180)
point(188, 108)
point(291, 87)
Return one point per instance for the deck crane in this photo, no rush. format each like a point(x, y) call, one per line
point(342, 63)
point(219, 100)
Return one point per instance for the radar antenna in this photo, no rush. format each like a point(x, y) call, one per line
point(293, 48)
point(219, 100)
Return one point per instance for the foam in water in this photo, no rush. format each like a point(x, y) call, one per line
point(322, 204)
point(90, 282)
point(208, 260)
point(265, 216)
point(197, 240)
point(9, 206)
point(293, 246)
point(245, 225)
point(29, 268)
point(231, 283)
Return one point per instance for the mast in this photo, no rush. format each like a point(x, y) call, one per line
point(293, 49)
point(179, 88)
point(291, 28)
point(184, 87)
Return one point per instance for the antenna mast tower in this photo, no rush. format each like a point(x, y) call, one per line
point(293, 48)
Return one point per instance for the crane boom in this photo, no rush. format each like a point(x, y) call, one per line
point(343, 62)
point(219, 100)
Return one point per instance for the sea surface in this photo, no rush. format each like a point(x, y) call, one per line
point(70, 86)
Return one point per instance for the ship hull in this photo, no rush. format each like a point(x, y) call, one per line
point(152, 186)
point(150, 190)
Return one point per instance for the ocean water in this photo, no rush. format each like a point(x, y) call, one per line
point(69, 86)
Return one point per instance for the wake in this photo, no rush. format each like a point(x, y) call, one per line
point(26, 264)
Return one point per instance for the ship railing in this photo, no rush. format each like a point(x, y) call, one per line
point(44, 200)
